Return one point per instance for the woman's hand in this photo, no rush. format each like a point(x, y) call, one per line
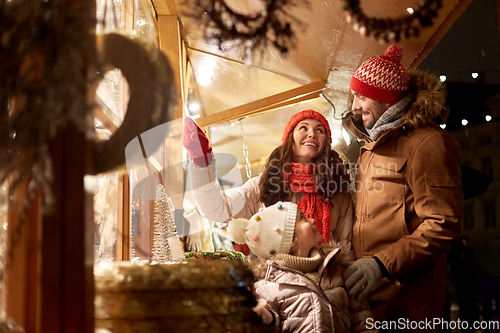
point(196, 143)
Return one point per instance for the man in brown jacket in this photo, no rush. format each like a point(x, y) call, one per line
point(409, 194)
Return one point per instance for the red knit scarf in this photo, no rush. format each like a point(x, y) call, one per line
point(312, 204)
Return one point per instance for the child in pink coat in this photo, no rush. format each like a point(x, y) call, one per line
point(301, 286)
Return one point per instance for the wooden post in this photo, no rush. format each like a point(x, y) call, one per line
point(50, 277)
point(123, 229)
point(67, 241)
point(21, 294)
point(171, 45)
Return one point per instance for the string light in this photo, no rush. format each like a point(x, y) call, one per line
point(245, 153)
point(193, 107)
point(347, 137)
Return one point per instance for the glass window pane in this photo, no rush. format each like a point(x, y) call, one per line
point(144, 22)
point(3, 244)
point(106, 206)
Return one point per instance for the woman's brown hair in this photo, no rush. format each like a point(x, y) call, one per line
point(331, 173)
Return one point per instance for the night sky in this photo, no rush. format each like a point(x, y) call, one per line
point(471, 45)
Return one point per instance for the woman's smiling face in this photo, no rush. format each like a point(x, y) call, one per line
point(309, 139)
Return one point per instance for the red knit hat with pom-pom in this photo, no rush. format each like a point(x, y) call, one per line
point(302, 115)
point(382, 78)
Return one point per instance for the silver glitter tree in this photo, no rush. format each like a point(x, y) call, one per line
point(166, 243)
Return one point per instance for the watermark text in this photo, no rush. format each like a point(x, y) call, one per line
point(430, 324)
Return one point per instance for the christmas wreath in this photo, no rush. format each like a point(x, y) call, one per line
point(271, 27)
point(392, 30)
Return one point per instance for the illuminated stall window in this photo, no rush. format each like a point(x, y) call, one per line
point(3, 242)
point(119, 215)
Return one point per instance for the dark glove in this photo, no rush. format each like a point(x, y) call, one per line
point(361, 276)
point(196, 143)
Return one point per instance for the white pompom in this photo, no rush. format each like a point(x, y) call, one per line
point(236, 230)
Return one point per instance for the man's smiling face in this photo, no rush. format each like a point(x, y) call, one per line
point(370, 109)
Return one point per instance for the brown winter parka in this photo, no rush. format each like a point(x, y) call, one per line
point(408, 208)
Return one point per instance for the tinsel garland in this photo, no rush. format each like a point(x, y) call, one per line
point(194, 297)
point(272, 27)
point(392, 30)
point(44, 51)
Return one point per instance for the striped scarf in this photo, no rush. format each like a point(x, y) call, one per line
point(312, 204)
point(391, 118)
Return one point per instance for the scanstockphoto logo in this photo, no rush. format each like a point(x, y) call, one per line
point(157, 155)
point(324, 167)
point(276, 185)
point(356, 180)
point(430, 324)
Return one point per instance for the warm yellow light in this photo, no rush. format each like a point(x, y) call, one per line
point(193, 107)
point(347, 137)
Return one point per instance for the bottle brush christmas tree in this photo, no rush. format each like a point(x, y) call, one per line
point(166, 243)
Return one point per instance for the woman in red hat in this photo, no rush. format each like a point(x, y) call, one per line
point(303, 169)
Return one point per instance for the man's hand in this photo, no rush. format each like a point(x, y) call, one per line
point(261, 309)
point(196, 143)
point(361, 276)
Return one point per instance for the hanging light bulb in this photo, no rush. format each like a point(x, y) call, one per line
point(193, 107)
point(347, 136)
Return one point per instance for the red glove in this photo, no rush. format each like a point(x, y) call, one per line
point(196, 143)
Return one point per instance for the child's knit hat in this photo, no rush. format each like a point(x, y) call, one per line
point(268, 232)
point(382, 78)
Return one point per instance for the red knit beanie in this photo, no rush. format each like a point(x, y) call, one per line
point(302, 115)
point(382, 78)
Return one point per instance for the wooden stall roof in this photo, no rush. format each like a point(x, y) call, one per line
point(328, 51)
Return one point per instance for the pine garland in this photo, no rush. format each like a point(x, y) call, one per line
point(392, 30)
point(216, 255)
point(45, 47)
point(270, 28)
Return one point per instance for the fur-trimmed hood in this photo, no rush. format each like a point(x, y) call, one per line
point(429, 105)
point(259, 265)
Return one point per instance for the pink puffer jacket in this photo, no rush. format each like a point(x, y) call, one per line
point(301, 305)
